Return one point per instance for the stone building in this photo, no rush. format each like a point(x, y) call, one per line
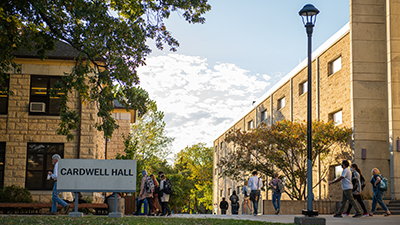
point(29, 119)
point(356, 83)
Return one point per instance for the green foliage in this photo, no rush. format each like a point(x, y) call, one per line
point(282, 148)
point(15, 194)
point(110, 47)
point(194, 166)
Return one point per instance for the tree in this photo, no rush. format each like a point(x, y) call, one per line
point(148, 141)
point(282, 148)
point(195, 164)
point(110, 47)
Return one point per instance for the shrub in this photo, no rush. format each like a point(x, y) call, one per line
point(15, 194)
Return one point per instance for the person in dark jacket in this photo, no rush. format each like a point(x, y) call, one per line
point(234, 202)
point(223, 206)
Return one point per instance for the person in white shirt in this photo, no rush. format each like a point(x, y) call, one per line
point(55, 198)
point(255, 184)
point(347, 188)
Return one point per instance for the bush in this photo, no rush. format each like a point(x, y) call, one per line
point(15, 194)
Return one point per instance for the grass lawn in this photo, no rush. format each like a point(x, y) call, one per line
point(125, 220)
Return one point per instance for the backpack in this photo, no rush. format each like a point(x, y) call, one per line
point(281, 187)
point(168, 189)
point(234, 199)
point(149, 185)
point(383, 185)
point(362, 181)
point(247, 191)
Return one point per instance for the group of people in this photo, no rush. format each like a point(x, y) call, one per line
point(251, 191)
point(352, 188)
point(157, 194)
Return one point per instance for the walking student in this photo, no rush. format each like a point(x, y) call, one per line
point(234, 203)
point(223, 205)
point(164, 197)
point(153, 200)
point(55, 198)
point(377, 198)
point(255, 184)
point(144, 194)
point(347, 188)
point(357, 188)
point(276, 196)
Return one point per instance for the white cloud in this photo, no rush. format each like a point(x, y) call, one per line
point(199, 102)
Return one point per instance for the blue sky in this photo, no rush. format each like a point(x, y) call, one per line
point(243, 49)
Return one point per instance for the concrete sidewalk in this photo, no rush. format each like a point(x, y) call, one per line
point(375, 220)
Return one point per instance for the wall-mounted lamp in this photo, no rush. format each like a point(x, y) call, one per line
point(363, 153)
point(398, 144)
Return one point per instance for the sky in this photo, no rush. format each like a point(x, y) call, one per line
point(222, 66)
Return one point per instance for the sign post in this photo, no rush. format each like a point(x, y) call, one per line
point(91, 175)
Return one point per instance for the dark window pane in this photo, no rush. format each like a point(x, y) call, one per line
point(54, 105)
point(34, 179)
point(39, 163)
point(2, 160)
point(35, 162)
point(39, 86)
point(4, 87)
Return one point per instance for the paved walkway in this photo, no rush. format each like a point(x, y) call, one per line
point(375, 220)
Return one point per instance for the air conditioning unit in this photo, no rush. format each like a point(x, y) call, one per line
point(38, 107)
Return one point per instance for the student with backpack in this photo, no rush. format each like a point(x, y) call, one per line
point(234, 203)
point(276, 184)
point(164, 183)
point(379, 185)
point(146, 192)
point(358, 186)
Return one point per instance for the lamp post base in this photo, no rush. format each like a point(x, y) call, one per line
point(309, 220)
point(312, 213)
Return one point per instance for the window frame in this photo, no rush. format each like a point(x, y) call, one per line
point(45, 98)
point(331, 65)
point(5, 95)
point(264, 115)
point(2, 163)
point(333, 118)
point(45, 185)
point(303, 87)
point(280, 106)
point(250, 125)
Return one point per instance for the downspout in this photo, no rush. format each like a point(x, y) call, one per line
point(80, 128)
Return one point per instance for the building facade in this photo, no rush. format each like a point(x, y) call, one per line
point(29, 119)
point(356, 83)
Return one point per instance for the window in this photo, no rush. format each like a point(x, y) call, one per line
point(40, 93)
point(220, 193)
point(263, 115)
point(39, 163)
point(4, 96)
point(2, 161)
point(335, 65)
point(215, 171)
point(238, 190)
point(303, 87)
point(281, 103)
point(250, 125)
point(336, 171)
point(229, 191)
point(337, 117)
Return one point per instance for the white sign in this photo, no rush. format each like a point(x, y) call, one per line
point(91, 175)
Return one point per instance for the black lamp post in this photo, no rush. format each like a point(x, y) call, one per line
point(309, 16)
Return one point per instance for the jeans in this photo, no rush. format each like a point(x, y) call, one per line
point(276, 197)
point(255, 203)
point(56, 199)
point(235, 209)
point(165, 208)
point(348, 196)
point(377, 198)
